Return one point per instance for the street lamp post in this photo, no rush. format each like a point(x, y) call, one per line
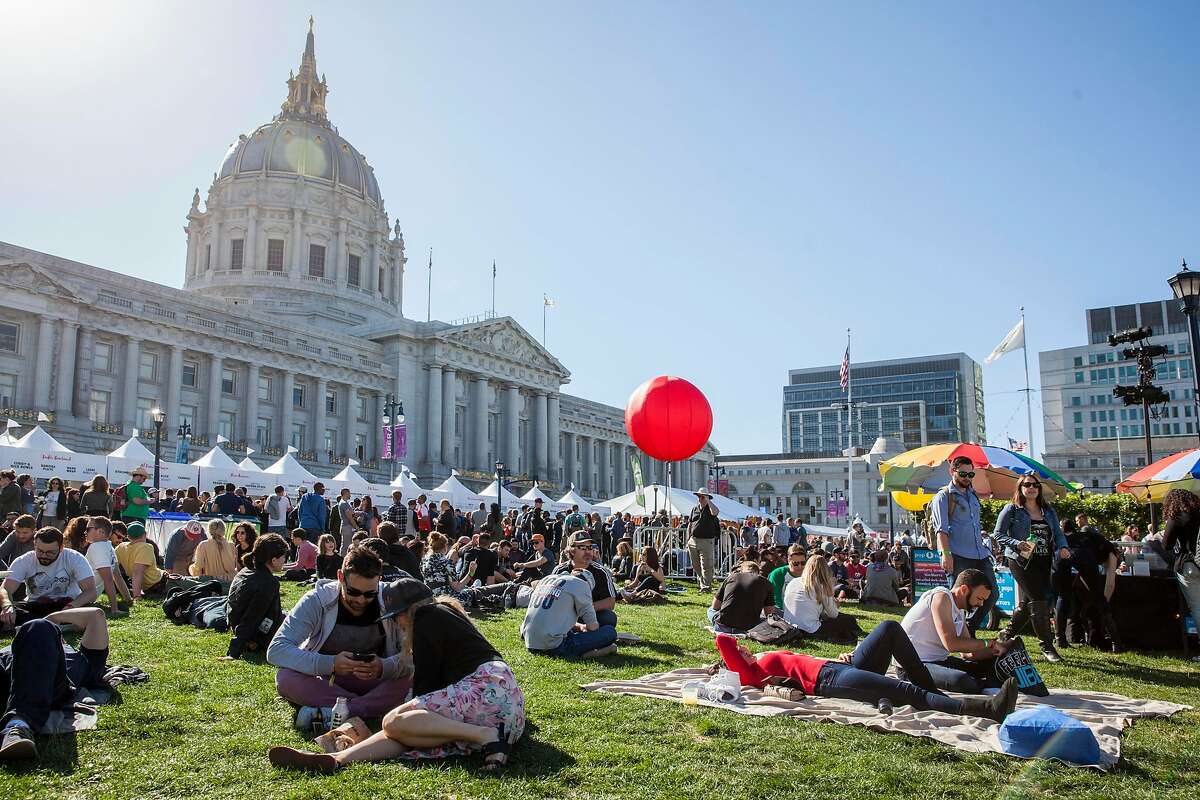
point(500, 486)
point(159, 416)
point(393, 409)
point(1185, 284)
point(185, 437)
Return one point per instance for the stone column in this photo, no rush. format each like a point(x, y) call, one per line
point(215, 366)
point(287, 382)
point(433, 411)
point(250, 428)
point(65, 398)
point(604, 491)
point(374, 434)
point(449, 406)
point(341, 275)
point(554, 456)
point(216, 242)
point(174, 381)
point(297, 243)
point(43, 373)
point(373, 278)
point(539, 435)
point(351, 425)
point(189, 267)
point(570, 462)
point(83, 389)
point(585, 481)
point(319, 414)
point(479, 425)
point(133, 349)
point(512, 427)
point(250, 248)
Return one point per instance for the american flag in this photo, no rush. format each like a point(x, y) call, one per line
point(846, 369)
point(1017, 446)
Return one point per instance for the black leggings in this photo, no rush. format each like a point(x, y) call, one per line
point(1033, 577)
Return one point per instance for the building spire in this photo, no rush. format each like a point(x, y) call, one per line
point(306, 91)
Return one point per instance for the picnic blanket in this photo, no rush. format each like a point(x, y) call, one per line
point(1106, 714)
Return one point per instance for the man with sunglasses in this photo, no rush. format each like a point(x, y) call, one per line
point(333, 644)
point(954, 516)
point(582, 556)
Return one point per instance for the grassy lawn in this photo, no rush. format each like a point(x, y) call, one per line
point(200, 729)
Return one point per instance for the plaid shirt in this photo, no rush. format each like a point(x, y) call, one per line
point(398, 514)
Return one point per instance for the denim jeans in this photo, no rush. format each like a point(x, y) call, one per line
point(607, 617)
point(579, 642)
point(966, 677)
point(40, 675)
point(979, 616)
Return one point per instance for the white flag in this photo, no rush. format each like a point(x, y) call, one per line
point(350, 462)
point(135, 432)
point(249, 451)
point(547, 302)
point(292, 449)
point(12, 423)
point(221, 439)
point(1015, 340)
point(42, 417)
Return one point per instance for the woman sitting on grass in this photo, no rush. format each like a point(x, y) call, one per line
point(328, 559)
point(809, 604)
point(860, 675)
point(216, 556)
point(647, 576)
point(623, 562)
point(253, 610)
point(466, 699)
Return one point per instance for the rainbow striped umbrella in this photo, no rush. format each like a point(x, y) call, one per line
point(996, 470)
point(1151, 484)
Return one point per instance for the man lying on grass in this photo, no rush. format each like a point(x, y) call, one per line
point(39, 675)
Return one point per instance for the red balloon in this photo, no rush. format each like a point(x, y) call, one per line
point(668, 418)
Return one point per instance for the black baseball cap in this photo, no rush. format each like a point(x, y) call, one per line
point(400, 595)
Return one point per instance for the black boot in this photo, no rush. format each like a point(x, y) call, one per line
point(1017, 622)
point(996, 707)
point(1060, 629)
point(1110, 628)
point(1039, 612)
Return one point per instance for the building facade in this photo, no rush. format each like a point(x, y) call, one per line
point(918, 401)
point(1091, 437)
point(289, 331)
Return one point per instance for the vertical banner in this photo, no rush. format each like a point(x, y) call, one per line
point(400, 439)
point(387, 443)
point(635, 465)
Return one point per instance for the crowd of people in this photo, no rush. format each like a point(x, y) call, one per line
point(384, 632)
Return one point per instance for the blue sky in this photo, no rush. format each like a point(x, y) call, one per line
point(715, 191)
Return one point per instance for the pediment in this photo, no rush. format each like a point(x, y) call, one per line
point(37, 280)
point(507, 340)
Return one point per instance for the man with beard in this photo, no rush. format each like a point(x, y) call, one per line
point(54, 577)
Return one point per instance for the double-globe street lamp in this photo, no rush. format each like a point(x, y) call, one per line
point(159, 416)
point(393, 409)
point(1185, 284)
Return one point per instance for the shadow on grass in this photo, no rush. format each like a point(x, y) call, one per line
point(657, 647)
point(1153, 675)
point(58, 753)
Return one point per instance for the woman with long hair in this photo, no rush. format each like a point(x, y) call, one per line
point(465, 697)
point(1028, 530)
point(1181, 513)
point(54, 504)
point(623, 561)
point(243, 539)
point(216, 556)
point(75, 535)
point(28, 497)
point(253, 610)
point(96, 500)
point(493, 524)
point(809, 603)
point(647, 576)
point(190, 504)
point(329, 561)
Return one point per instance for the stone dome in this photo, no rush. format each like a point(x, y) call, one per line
point(286, 147)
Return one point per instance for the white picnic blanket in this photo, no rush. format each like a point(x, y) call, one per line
point(1106, 714)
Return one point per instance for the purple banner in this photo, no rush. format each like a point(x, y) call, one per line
point(400, 437)
point(387, 443)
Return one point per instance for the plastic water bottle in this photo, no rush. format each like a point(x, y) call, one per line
point(341, 712)
point(885, 706)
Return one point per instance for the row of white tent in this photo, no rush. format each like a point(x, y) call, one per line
point(41, 455)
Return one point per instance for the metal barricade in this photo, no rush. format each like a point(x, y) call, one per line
point(676, 561)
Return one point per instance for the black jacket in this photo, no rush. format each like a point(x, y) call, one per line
point(253, 609)
point(10, 500)
point(702, 522)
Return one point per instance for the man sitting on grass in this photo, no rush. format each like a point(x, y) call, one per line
point(782, 576)
point(136, 557)
point(582, 555)
point(561, 620)
point(937, 626)
point(55, 578)
point(332, 644)
point(39, 675)
point(103, 558)
point(539, 563)
point(19, 541)
point(742, 600)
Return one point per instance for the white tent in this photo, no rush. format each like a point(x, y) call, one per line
point(547, 502)
point(248, 463)
point(133, 449)
point(215, 458)
point(288, 467)
point(404, 481)
point(678, 502)
point(489, 496)
point(349, 475)
point(573, 498)
point(38, 439)
point(8, 440)
point(459, 495)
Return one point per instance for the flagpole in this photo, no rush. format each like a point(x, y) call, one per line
point(493, 288)
point(849, 433)
point(429, 289)
point(544, 305)
point(1028, 395)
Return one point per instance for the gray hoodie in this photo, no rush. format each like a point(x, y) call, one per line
point(297, 643)
point(558, 602)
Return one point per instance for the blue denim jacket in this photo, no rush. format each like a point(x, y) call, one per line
point(1012, 527)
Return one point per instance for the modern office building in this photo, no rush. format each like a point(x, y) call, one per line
point(917, 401)
point(289, 331)
point(1091, 437)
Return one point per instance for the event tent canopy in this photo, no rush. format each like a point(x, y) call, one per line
point(489, 495)
point(38, 439)
point(679, 502)
point(248, 463)
point(458, 494)
point(547, 502)
point(289, 468)
point(574, 498)
point(349, 475)
point(133, 449)
point(215, 458)
point(408, 487)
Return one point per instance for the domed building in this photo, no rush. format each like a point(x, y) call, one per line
point(289, 333)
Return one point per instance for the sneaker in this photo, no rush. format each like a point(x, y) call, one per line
point(1050, 654)
point(16, 742)
point(313, 718)
point(600, 652)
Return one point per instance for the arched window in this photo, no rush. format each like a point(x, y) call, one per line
point(764, 488)
point(803, 487)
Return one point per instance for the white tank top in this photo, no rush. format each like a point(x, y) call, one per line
point(918, 624)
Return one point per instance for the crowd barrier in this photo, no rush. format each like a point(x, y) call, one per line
point(671, 544)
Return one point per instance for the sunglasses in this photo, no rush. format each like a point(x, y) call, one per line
point(352, 592)
point(966, 473)
point(1031, 486)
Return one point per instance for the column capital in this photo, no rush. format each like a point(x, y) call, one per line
point(70, 323)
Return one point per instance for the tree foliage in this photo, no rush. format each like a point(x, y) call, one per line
point(1111, 513)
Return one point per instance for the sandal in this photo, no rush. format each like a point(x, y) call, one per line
point(499, 747)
